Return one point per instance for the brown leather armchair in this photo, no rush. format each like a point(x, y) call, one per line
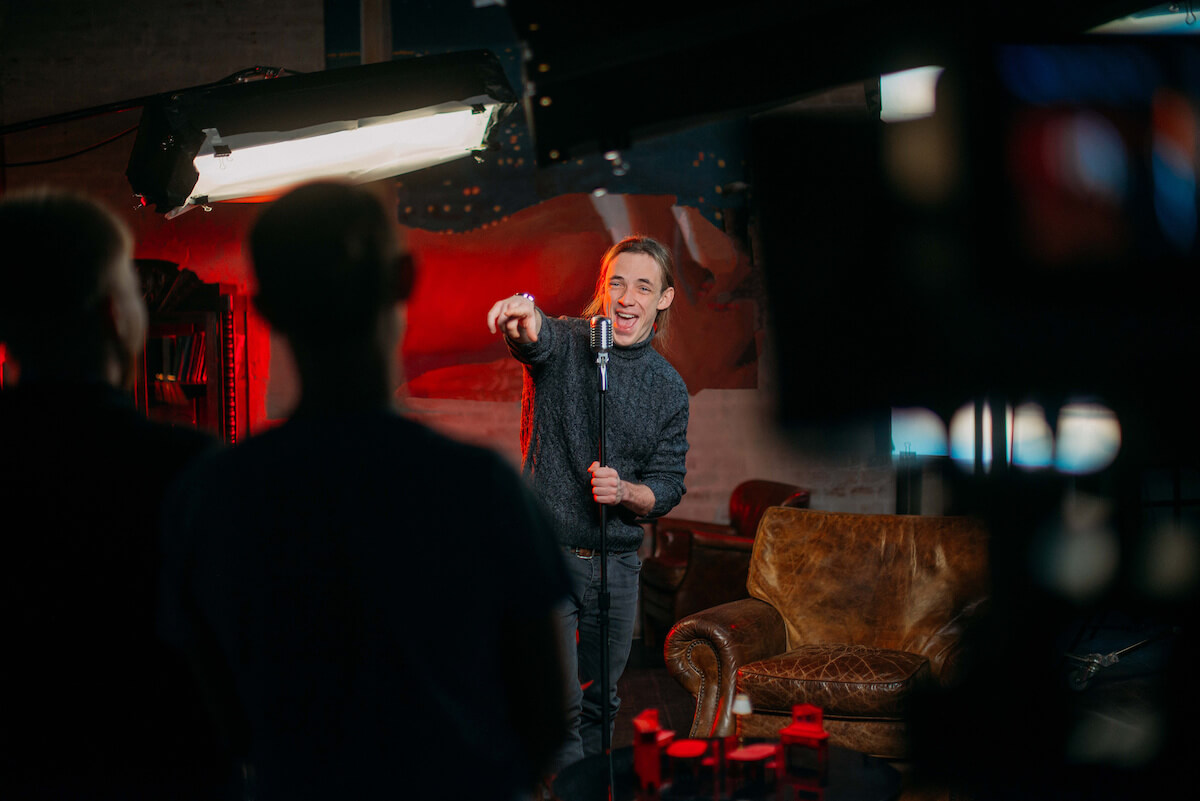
point(850, 612)
point(695, 565)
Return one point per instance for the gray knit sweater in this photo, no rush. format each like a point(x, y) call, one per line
point(646, 412)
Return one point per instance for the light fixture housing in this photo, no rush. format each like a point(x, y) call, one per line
point(360, 124)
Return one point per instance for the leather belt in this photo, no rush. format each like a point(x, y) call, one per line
point(589, 553)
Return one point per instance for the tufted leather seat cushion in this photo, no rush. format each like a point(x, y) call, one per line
point(844, 680)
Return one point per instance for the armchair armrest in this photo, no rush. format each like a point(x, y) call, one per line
point(724, 540)
point(680, 525)
point(704, 650)
point(673, 536)
point(948, 648)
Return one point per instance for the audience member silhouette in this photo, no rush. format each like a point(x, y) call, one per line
point(372, 600)
point(92, 704)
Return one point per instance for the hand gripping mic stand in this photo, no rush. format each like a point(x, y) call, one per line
point(601, 338)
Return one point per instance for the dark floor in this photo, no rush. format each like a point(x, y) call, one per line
point(646, 684)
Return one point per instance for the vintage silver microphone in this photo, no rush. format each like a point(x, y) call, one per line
point(602, 341)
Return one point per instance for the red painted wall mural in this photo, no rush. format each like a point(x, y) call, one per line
point(553, 250)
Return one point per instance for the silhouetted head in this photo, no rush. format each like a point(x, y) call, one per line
point(327, 265)
point(71, 305)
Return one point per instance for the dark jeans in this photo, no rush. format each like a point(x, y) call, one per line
point(581, 613)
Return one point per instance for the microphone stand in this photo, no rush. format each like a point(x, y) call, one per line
point(604, 600)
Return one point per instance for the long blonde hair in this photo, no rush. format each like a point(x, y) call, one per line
point(666, 267)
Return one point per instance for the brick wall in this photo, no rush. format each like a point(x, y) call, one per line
point(64, 55)
point(59, 56)
point(732, 437)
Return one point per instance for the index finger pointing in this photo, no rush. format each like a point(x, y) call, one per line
point(493, 315)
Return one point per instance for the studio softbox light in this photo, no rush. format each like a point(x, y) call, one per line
point(360, 124)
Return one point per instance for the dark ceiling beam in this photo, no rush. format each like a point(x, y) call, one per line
point(602, 75)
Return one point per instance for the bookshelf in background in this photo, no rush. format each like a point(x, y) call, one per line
point(193, 347)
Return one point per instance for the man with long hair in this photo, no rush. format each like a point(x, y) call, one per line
point(646, 444)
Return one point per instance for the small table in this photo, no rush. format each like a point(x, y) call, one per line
point(853, 776)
